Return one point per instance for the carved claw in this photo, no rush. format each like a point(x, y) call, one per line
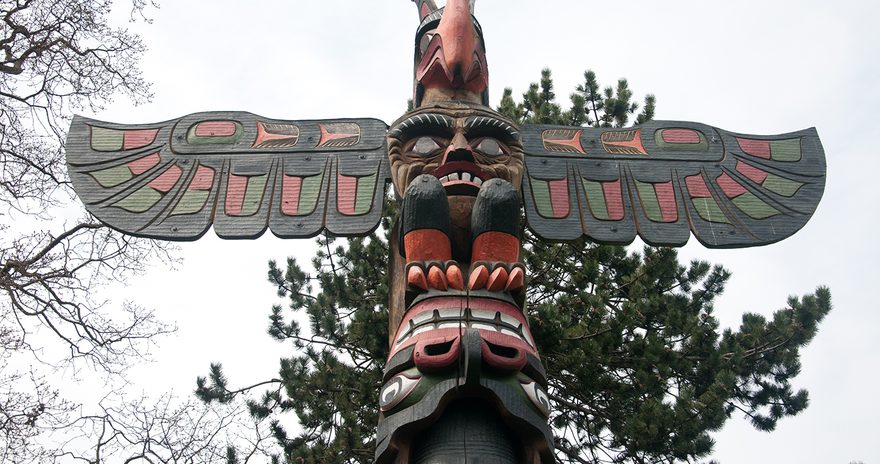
point(434, 275)
point(497, 277)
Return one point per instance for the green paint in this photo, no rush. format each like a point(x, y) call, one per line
point(596, 199)
point(781, 185)
point(192, 202)
point(107, 139)
point(308, 194)
point(194, 139)
point(253, 196)
point(709, 210)
point(786, 150)
point(541, 193)
point(142, 200)
point(649, 201)
point(754, 206)
point(364, 199)
point(113, 176)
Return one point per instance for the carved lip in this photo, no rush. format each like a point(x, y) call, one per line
point(458, 319)
point(461, 177)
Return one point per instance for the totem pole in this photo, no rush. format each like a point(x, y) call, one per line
point(464, 381)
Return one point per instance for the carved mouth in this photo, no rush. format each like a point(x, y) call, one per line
point(461, 177)
point(482, 319)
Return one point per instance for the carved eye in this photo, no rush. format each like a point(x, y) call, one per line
point(426, 40)
point(396, 390)
point(538, 396)
point(425, 146)
point(490, 147)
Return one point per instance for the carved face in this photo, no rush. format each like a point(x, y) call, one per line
point(460, 145)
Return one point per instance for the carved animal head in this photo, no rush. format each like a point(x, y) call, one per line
point(450, 55)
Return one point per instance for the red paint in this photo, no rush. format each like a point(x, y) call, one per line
point(613, 200)
point(504, 363)
point(497, 280)
point(460, 303)
point(427, 245)
point(559, 197)
point(455, 277)
point(415, 277)
point(756, 175)
point(730, 187)
point(634, 144)
point(424, 11)
point(235, 191)
point(346, 193)
point(203, 180)
point(138, 138)
point(453, 59)
point(516, 281)
point(759, 148)
point(215, 129)
point(666, 198)
point(432, 362)
point(436, 278)
point(142, 165)
point(478, 279)
point(574, 142)
point(327, 136)
point(681, 136)
point(697, 187)
point(167, 179)
point(290, 190)
point(495, 246)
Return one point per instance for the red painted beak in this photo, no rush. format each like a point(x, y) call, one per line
point(454, 58)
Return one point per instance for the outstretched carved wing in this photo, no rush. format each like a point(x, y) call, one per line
point(665, 179)
point(235, 170)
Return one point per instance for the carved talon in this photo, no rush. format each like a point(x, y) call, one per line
point(497, 277)
point(434, 275)
point(454, 277)
point(437, 278)
point(415, 278)
point(516, 281)
point(479, 278)
point(497, 280)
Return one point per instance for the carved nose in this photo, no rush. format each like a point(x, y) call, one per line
point(458, 154)
point(458, 150)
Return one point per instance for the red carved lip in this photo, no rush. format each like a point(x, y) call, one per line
point(461, 177)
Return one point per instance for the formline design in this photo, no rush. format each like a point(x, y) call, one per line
point(464, 374)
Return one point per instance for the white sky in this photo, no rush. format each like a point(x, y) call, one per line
point(752, 66)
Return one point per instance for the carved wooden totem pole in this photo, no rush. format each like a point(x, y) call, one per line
point(464, 381)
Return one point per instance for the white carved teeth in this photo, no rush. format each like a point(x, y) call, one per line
point(449, 318)
point(464, 176)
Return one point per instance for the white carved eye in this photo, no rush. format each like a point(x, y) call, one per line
point(490, 147)
point(396, 390)
point(425, 146)
point(538, 396)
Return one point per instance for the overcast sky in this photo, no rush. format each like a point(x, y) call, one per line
point(752, 66)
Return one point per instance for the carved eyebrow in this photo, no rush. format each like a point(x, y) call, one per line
point(482, 122)
point(425, 119)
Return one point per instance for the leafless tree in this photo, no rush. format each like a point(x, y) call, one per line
point(58, 57)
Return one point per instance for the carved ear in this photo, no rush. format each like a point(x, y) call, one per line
point(427, 7)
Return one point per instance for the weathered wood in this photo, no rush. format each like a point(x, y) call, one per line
point(237, 171)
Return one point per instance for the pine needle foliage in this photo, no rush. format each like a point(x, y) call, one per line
point(640, 370)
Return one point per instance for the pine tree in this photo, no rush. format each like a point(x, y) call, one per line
point(639, 368)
